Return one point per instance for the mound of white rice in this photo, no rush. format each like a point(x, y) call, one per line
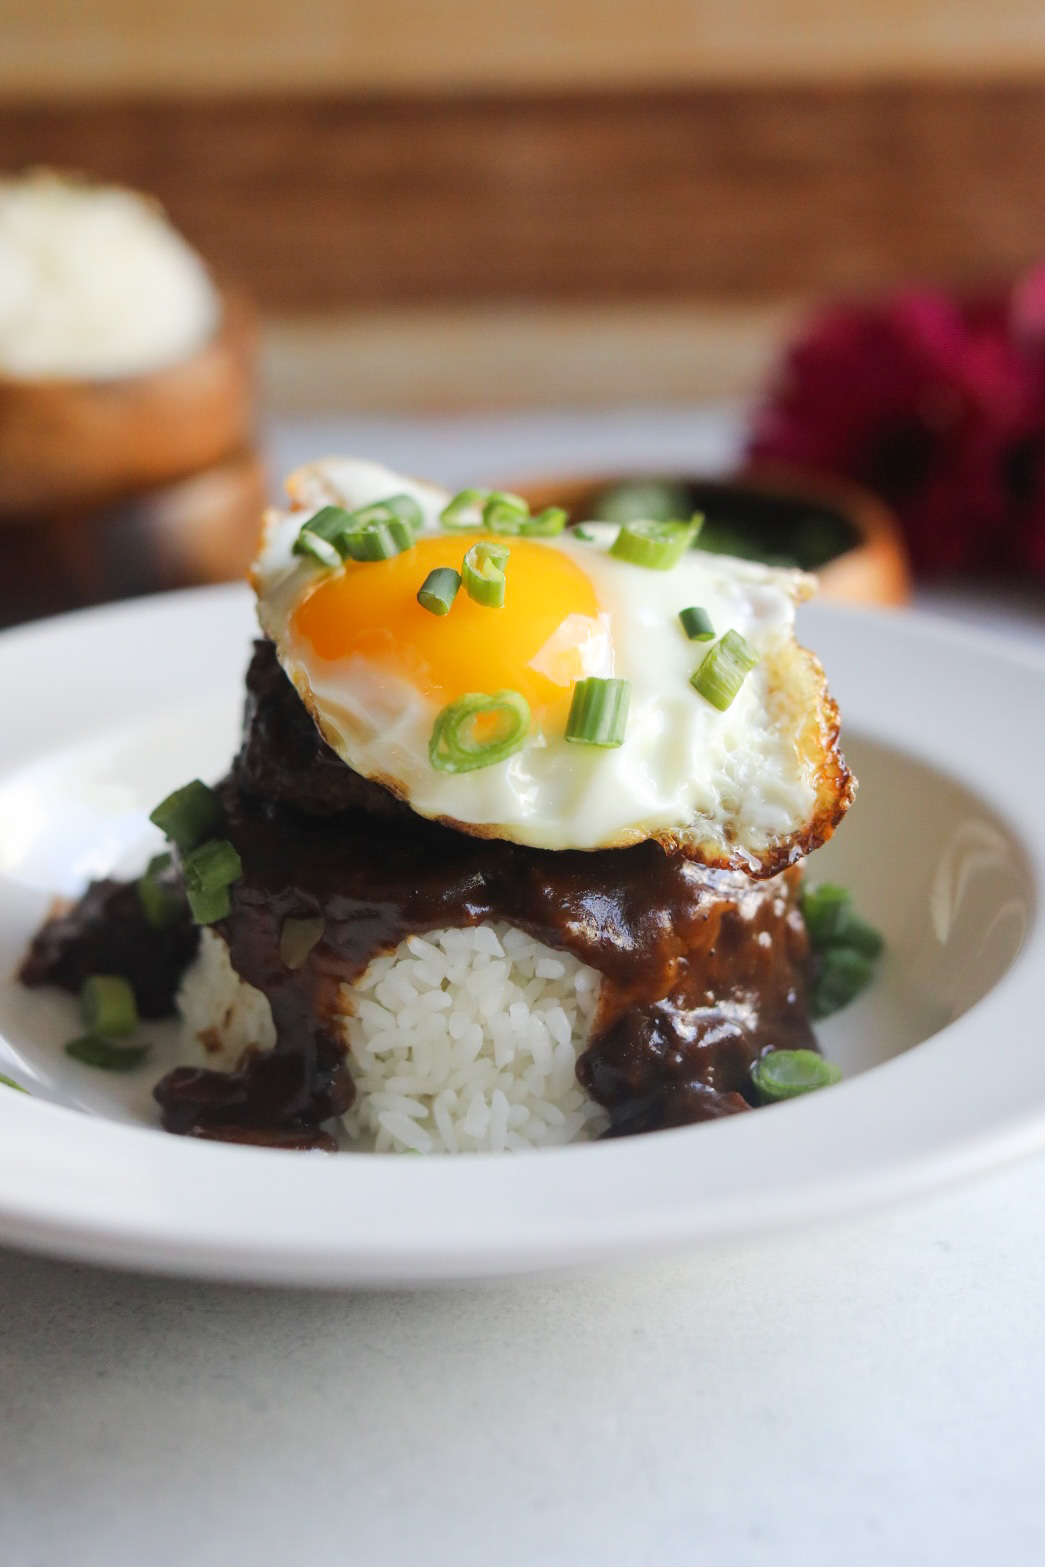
point(463, 1041)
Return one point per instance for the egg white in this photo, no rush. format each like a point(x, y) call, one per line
point(751, 788)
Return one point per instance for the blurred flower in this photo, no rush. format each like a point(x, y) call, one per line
point(937, 405)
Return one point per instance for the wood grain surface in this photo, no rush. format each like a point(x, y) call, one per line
point(78, 47)
point(725, 194)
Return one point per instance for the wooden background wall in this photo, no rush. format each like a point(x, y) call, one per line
point(479, 172)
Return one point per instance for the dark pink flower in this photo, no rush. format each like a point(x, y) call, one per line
point(934, 404)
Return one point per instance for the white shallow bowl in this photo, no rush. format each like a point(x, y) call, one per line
point(101, 713)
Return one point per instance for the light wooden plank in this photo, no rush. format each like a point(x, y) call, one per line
point(513, 357)
point(74, 47)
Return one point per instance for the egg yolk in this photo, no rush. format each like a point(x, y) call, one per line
point(370, 610)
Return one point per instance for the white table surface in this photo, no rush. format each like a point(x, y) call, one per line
point(870, 1393)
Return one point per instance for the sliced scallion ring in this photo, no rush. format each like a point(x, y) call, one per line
point(464, 510)
point(599, 712)
point(656, 545)
point(547, 524)
point(483, 573)
point(784, 1074)
point(478, 730)
point(189, 815)
point(209, 872)
point(107, 1006)
point(504, 512)
point(405, 507)
point(696, 623)
point(842, 973)
point(322, 536)
point(158, 893)
point(378, 539)
point(725, 668)
point(384, 528)
point(439, 589)
point(92, 1050)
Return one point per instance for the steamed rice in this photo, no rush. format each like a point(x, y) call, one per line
point(465, 1040)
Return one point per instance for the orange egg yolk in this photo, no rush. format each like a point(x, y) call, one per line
point(370, 610)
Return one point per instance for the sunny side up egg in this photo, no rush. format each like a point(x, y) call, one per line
point(752, 787)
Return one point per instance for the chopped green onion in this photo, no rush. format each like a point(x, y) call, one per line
point(825, 910)
point(209, 872)
point(9, 1082)
point(107, 1006)
point(696, 623)
point(583, 534)
point(842, 974)
point(214, 864)
point(402, 506)
point(379, 539)
point(478, 730)
point(655, 545)
point(863, 938)
point(210, 906)
point(103, 1054)
point(159, 894)
point(189, 815)
point(462, 511)
point(831, 922)
point(384, 528)
point(504, 512)
point(599, 712)
point(784, 1074)
point(439, 589)
point(547, 524)
point(322, 536)
point(483, 573)
point(724, 670)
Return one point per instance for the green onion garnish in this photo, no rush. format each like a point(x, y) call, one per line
point(696, 623)
point(504, 512)
point(831, 922)
point(322, 536)
point(378, 538)
point(102, 1053)
point(842, 973)
point(724, 670)
point(584, 534)
point(656, 545)
point(599, 712)
point(159, 894)
point(483, 573)
point(210, 871)
point(9, 1082)
point(189, 815)
point(383, 529)
point(547, 524)
point(478, 730)
point(402, 506)
point(784, 1074)
point(462, 511)
point(439, 589)
point(107, 1006)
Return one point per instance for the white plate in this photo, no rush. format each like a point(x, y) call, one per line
point(102, 713)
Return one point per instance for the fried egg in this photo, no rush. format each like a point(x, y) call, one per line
point(751, 788)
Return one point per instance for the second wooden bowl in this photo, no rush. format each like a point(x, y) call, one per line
point(768, 505)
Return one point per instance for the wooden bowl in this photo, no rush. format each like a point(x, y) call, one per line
point(69, 445)
point(873, 570)
point(201, 528)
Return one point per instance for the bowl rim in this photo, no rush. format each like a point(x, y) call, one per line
point(86, 1187)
